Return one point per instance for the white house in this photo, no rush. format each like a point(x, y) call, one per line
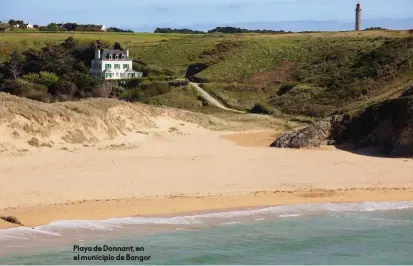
point(113, 64)
point(103, 28)
point(29, 26)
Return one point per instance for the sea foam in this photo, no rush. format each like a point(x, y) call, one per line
point(54, 228)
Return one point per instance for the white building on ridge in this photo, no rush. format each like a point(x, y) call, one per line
point(113, 64)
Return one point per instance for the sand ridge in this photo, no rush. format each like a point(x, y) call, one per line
point(25, 123)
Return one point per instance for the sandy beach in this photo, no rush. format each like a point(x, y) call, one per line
point(176, 166)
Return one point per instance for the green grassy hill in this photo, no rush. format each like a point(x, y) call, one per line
point(311, 74)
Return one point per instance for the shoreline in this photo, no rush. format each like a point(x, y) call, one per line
point(188, 204)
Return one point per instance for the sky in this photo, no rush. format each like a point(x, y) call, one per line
point(146, 14)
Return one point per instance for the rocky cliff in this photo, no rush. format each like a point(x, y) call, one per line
point(387, 126)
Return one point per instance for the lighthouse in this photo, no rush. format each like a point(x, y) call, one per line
point(358, 17)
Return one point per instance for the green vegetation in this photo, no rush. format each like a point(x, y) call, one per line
point(230, 30)
point(301, 74)
point(375, 28)
point(60, 72)
point(240, 30)
point(181, 31)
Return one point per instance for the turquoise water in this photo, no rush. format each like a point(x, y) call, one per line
point(330, 237)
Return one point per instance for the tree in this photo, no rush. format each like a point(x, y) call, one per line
point(113, 29)
point(13, 22)
point(16, 64)
point(70, 43)
point(53, 27)
point(117, 46)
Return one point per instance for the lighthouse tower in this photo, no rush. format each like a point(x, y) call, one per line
point(358, 17)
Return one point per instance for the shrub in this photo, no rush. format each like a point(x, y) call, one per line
point(84, 82)
point(64, 87)
point(46, 78)
point(178, 83)
point(155, 88)
point(286, 88)
point(104, 90)
point(134, 94)
point(24, 88)
point(262, 108)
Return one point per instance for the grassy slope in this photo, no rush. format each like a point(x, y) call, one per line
point(250, 68)
point(22, 40)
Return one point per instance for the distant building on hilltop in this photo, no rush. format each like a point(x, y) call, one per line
point(27, 26)
point(113, 64)
point(358, 17)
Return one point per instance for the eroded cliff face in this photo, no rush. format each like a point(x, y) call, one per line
point(387, 126)
point(318, 134)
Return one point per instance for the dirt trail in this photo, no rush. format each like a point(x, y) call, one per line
point(212, 100)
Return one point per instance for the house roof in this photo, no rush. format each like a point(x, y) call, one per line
point(107, 52)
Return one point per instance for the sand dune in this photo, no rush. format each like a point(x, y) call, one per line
point(25, 123)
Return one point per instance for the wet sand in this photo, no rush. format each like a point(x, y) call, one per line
point(179, 205)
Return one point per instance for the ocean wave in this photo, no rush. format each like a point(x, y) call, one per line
point(231, 223)
point(289, 215)
point(219, 217)
point(24, 233)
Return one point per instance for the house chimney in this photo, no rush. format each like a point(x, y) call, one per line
point(97, 54)
point(127, 53)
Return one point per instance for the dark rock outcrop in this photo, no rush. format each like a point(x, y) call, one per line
point(324, 132)
point(11, 219)
point(387, 126)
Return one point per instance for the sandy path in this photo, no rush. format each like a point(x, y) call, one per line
point(211, 99)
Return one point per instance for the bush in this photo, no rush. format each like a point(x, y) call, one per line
point(24, 88)
point(84, 82)
point(64, 87)
point(286, 88)
point(155, 88)
point(262, 108)
point(178, 83)
point(134, 94)
point(106, 90)
point(46, 78)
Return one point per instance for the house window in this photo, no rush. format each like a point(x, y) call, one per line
point(117, 74)
point(123, 56)
point(116, 56)
point(110, 56)
point(108, 66)
point(125, 66)
point(117, 66)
